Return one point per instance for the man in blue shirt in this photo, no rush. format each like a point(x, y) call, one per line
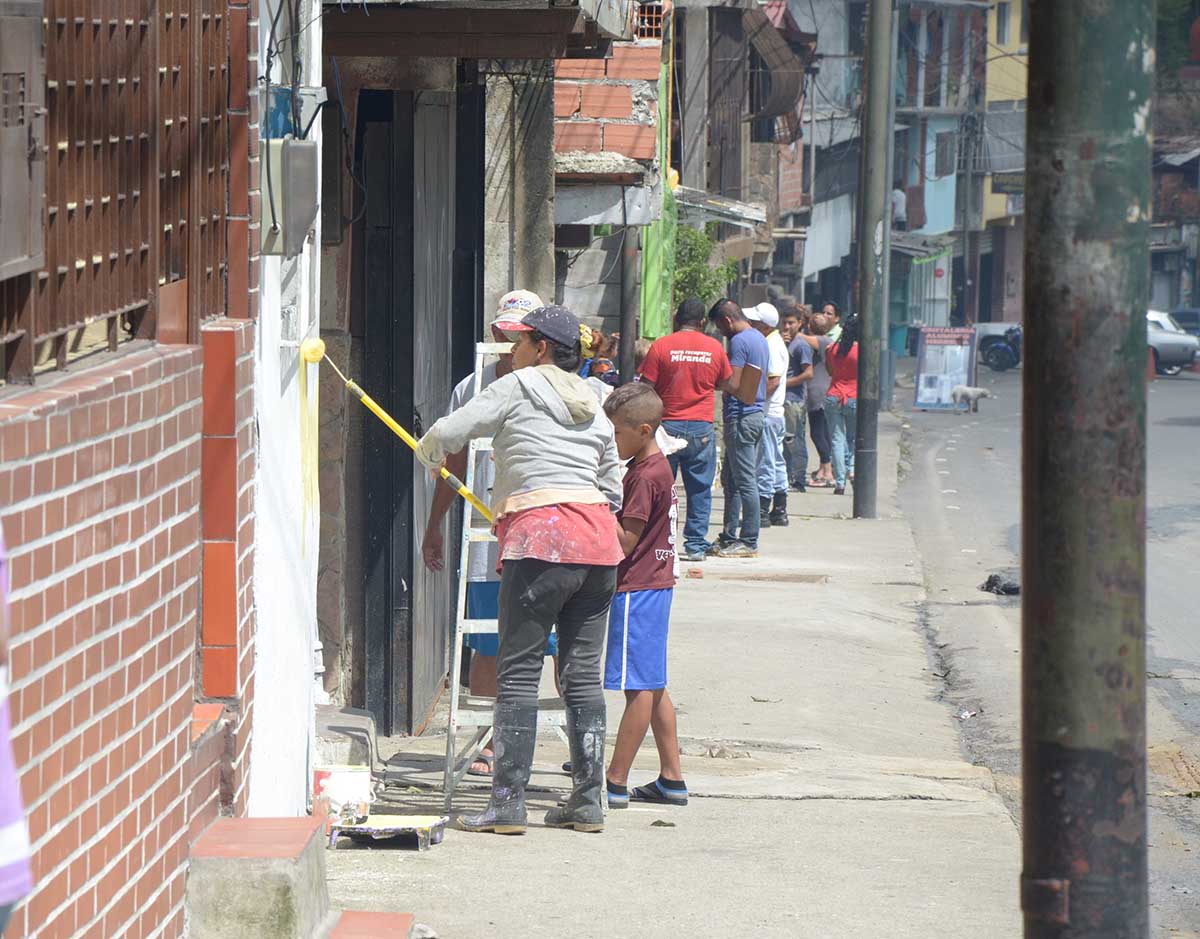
point(743, 431)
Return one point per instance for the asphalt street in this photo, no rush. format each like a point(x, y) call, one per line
point(961, 491)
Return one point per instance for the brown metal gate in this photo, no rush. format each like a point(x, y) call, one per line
point(136, 165)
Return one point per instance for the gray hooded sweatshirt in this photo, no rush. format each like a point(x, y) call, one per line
point(549, 434)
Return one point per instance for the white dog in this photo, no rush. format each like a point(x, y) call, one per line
point(965, 394)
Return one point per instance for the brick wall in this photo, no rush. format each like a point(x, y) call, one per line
point(100, 483)
point(609, 105)
point(792, 197)
point(229, 451)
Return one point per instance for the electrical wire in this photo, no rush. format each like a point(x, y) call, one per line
point(266, 122)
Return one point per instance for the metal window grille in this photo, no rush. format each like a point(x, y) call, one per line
point(136, 179)
point(650, 21)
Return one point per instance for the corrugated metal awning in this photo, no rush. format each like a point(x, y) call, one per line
point(1180, 159)
point(696, 205)
point(785, 68)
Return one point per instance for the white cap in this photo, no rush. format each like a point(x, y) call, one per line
point(752, 313)
point(768, 315)
point(512, 307)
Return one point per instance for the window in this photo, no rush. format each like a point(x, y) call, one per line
point(947, 154)
point(762, 129)
point(1024, 22)
point(1003, 11)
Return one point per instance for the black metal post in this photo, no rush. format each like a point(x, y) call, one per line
point(873, 232)
point(1087, 272)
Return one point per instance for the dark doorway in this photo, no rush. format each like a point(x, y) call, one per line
point(412, 295)
point(986, 268)
point(383, 260)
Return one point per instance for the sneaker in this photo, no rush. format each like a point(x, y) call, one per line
point(736, 550)
point(779, 519)
point(694, 557)
point(714, 549)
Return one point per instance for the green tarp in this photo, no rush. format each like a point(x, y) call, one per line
point(658, 238)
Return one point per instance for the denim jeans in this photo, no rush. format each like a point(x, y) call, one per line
point(537, 596)
point(818, 429)
point(6, 911)
point(739, 478)
point(772, 471)
point(843, 422)
point(698, 463)
point(795, 447)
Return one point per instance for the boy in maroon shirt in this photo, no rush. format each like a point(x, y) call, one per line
point(636, 659)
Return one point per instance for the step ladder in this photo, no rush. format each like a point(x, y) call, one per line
point(469, 711)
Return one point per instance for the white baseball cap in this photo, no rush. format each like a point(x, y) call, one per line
point(768, 315)
point(512, 308)
point(752, 313)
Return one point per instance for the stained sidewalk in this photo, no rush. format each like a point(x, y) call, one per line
point(829, 794)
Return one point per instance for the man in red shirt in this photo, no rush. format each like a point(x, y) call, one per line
point(685, 369)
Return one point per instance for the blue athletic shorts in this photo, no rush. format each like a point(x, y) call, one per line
point(483, 602)
point(637, 640)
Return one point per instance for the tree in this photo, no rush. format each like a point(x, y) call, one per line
point(695, 274)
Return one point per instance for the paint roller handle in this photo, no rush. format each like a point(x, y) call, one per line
point(455, 483)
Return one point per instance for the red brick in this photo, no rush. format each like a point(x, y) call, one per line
point(566, 98)
point(579, 68)
point(635, 62)
point(612, 101)
point(638, 141)
point(571, 137)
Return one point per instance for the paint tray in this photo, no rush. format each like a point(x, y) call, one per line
point(427, 829)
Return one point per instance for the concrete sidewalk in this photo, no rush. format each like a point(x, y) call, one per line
point(829, 794)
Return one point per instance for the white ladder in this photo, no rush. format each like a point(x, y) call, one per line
point(470, 710)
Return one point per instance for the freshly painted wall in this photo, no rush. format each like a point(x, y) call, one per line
point(285, 570)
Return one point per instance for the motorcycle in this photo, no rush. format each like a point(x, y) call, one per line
point(1001, 353)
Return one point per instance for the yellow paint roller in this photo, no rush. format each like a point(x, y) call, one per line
point(313, 350)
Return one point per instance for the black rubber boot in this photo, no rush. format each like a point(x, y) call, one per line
point(514, 736)
point(779, 516)
point(764, 517)
point(583, 809)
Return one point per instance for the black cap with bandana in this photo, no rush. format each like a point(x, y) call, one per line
point(554, 322)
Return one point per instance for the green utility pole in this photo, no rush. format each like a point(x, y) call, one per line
point(1087, 269)
point(874, 221)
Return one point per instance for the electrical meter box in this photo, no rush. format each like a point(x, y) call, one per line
point(291, 186)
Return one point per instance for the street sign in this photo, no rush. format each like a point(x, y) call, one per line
point(945, 359)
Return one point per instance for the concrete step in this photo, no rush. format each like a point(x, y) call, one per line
point(356, 925)
point(261, 877)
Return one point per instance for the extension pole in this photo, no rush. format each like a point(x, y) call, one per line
point(1088, 203)
point(874, 196)
point(313, 351)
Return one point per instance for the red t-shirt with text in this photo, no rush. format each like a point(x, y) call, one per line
point(685, 367)
point(650, 498)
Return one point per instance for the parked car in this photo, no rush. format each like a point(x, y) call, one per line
point(1188, 319)
point(1164, 321)
point(1174, 350)
point(1000, 353)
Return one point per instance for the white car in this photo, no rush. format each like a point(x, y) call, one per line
point(1174, 348)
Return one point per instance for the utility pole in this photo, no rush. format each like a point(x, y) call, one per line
point(1083, 552)
point(873, 230)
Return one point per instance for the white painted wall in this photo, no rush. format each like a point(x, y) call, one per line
point(831, 25)
point(285, 567)
point(828, 234)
